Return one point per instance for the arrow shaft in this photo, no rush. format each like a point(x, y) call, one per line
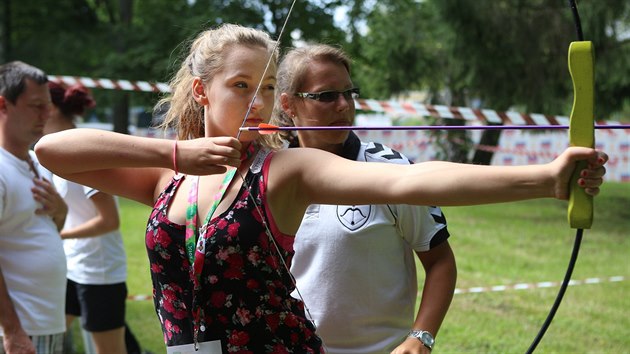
point(432, 127)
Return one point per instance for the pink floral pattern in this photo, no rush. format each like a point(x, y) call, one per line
point(245, 291)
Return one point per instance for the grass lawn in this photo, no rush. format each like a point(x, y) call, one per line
point(503, 244)
point(530, 242)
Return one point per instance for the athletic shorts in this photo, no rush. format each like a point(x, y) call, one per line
point(101, 307)
point(45, 344)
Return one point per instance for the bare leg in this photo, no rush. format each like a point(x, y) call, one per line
point(68, 340)
point(112, 341)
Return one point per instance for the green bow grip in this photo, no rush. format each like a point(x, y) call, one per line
point(581, 129)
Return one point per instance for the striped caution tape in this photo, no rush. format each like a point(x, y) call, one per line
point(486, 289)
point(392, 108)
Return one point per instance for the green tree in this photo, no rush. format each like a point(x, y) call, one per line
point(138, 40)
point(505, 54)
point(396, 59)
point(516, 52)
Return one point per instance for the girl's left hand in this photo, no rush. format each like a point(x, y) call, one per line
point(591, 178)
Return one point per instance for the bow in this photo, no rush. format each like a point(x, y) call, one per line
point(581, 133)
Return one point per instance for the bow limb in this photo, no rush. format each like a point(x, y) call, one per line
point(262, 77)
point(581, 133)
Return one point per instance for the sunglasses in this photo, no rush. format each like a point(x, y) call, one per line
point(330, 96)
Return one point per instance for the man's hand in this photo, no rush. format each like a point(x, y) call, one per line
point(52, 203)
point(18, 343)
point(411, 346)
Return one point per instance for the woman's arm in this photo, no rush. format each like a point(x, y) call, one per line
point(439, 286)
point(106, 219)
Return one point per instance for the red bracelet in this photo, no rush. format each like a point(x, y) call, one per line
point(175, 156)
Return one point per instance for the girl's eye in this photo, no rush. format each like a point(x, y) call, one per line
point(241, 85)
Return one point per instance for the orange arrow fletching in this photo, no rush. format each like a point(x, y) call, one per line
point(265, 129)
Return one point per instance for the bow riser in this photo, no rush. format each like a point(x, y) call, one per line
point(581, 128)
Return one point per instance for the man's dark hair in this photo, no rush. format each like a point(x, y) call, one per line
point(13, 76)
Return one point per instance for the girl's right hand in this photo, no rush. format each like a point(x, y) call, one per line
point(206, 156)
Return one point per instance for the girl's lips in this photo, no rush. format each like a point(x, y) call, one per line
point(254, 121)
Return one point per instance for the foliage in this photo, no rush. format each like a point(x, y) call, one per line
point(140, 40)
point(516, 52)
point(396, 59)
point(503, 54)
point(507, 54)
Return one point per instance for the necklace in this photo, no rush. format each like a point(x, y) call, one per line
point(31, 166)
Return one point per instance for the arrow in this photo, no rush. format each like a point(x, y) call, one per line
point(265, 128)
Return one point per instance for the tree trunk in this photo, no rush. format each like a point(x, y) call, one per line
point(488, 138)
point(121, 112)
point(6, 55)
point(121, 102)
point(458, 141)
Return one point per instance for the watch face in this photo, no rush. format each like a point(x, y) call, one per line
point(427, 338)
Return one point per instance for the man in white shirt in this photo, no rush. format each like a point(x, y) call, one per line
point(32, 260)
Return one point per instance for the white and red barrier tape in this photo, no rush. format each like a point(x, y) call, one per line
point(486, 289)
point(394, 108)
point(545, 284)
point(108, 84)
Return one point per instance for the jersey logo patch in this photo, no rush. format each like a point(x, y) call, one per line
point(353, 217)
point(437, 215)
point(379, 150)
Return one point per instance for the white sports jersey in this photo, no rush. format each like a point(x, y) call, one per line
point(355, 264)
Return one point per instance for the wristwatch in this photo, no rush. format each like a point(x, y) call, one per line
point(424, 337)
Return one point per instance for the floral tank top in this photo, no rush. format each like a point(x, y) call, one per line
point(246, 289)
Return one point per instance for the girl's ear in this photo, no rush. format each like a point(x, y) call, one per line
point(199, 94)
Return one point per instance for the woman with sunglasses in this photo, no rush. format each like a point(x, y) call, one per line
point(356, 310)
point(227, 204)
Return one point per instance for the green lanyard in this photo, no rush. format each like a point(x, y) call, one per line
point(196, 244)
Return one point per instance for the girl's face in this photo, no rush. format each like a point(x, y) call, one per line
point(230, 93)
point(323, 76)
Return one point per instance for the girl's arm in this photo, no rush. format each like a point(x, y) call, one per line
point(130, 166)
point(299, 177)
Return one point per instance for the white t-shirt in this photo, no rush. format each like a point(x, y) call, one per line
point(95, 260)
point(31, 251)
point(355, 265)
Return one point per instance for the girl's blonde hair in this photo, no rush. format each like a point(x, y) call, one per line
point(205, 59)
point(290, 76)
